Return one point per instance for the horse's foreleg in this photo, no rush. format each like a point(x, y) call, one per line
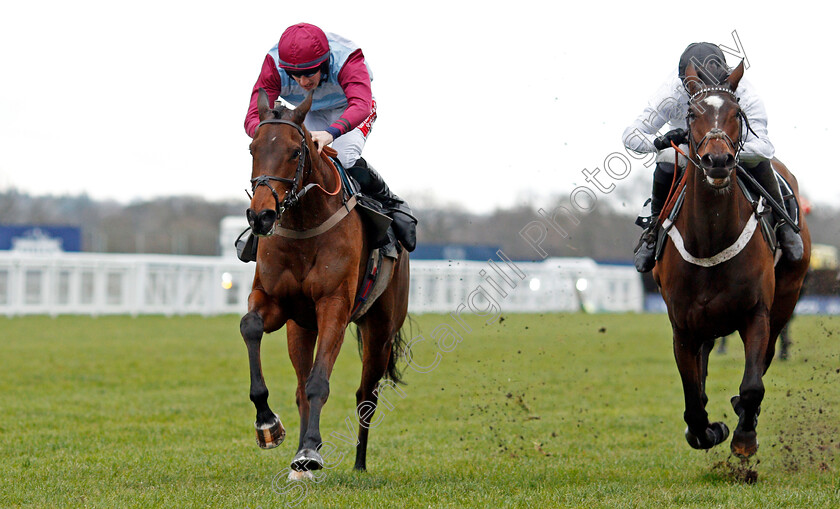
point(301, 348)
point(332, 315)
point(261, 317)
point(692, 361)
point(748, 402)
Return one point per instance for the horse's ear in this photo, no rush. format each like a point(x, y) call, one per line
point(693, 83)
point(262, 105)
point(301, 111)
point(735, 77)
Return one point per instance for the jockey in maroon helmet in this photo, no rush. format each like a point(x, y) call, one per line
point(333, 69)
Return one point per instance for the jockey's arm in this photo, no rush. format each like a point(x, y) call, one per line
point(757, 147)
point(663, 107)
point(355, 82)
point(269, 80)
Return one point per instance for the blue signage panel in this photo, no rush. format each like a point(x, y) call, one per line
point(69, 237)
point(426, 251)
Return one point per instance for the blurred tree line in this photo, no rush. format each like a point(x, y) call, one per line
point(190, 225)
point(171, 225)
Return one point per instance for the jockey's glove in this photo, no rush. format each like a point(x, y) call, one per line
point(678, 136)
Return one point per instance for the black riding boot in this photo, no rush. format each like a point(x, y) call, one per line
point(372, 184)
point(790, 241)
point(644, 257)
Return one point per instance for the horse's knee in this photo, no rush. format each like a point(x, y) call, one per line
point(259, 395)
point(317, 388)
point(251, 326)
point(752, 394)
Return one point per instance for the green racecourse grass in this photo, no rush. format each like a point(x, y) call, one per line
point(552, 410)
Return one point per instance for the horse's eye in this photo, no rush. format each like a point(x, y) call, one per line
point(295, 154)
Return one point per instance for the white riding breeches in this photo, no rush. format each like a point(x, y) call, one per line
point(349, 145)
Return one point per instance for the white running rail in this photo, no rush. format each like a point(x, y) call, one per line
point(101, 284)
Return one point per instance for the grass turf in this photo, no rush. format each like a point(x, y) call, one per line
point(553, 410)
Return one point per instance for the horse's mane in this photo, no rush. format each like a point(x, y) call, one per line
point(278, 111)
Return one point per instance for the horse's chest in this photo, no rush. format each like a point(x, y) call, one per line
point(707, 303)
point(305, 282)
point(288, 282)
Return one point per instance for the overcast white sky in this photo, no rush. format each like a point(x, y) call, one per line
point(480, 103)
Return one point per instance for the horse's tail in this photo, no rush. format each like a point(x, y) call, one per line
point(392, 371)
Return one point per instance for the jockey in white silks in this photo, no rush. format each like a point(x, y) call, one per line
point(669, 105)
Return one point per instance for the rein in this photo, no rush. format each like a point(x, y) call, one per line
point(292, 197)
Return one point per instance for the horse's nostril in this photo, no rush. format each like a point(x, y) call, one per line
point(261, 223)
point(267, 216)
point(266, 219)
point(717, 160)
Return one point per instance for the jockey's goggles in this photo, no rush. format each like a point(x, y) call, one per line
point(303, 73)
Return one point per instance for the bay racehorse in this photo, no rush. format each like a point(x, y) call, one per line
point(710, 287)
point(308, 279)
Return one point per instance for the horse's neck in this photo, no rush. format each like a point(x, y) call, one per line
point(711, 219)
point(316, 206)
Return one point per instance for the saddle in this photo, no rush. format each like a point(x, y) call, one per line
point(377, 223)
point(762, 209)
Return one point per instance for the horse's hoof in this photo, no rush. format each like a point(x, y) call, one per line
point(302, 475)
point(692, 439)
point(716, 433)
point(307, 459)
point(720, 431)
point(271, 434)
point(744, 445)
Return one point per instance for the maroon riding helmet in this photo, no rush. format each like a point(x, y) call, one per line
point(302, 49)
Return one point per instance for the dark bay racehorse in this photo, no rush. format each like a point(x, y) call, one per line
point(307, 279)
point(722, 290)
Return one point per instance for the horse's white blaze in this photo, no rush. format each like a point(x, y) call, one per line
point(714, 101)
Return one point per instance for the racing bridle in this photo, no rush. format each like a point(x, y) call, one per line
point(716, 133)
point(292, 196)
